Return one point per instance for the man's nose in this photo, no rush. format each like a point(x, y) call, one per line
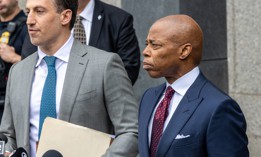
point(146, 51)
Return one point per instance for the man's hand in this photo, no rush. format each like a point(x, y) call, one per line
point(7, 154)
point(7, 53)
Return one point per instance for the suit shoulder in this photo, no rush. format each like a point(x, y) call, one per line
point(96, 53)
point(213, 91)
point(203, 88)
point(214, 98)
point(23, 67)
point(26, 61)
point(110, 9)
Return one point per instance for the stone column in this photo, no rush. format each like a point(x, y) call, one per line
point(244, 37)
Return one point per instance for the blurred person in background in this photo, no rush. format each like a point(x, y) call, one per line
point(111, 29)
point(13, 31)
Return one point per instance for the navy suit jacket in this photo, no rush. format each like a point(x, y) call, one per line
point(112, 30)
point(211, 123)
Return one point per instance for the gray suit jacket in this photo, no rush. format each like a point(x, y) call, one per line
point(97, 93)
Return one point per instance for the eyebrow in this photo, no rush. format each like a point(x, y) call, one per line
point(153, 41)
point(35, 7)
point(150, 40)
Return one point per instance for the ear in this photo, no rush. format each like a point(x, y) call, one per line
point(186, 50)
point(66, 17)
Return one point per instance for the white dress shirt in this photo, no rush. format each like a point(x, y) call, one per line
point(40, 75)
point(180, 86)
point(87, 15)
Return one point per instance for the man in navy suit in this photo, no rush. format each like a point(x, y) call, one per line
point(187, 116)
point(111, 29)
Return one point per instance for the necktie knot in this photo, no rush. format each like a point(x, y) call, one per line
point(50, 61)
point(79, 18)
point(169, 92)
point(79, 31)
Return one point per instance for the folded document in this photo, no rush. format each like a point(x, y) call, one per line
point(72, 140)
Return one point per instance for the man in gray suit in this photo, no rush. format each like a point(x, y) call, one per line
point(92, 86)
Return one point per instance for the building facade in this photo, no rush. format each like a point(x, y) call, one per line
point(232, 34)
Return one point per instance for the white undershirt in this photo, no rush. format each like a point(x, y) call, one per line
point(180, 86)
point(87, 15)
point(40, 74)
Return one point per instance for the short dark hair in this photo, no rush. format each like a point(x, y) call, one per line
point(68, 4)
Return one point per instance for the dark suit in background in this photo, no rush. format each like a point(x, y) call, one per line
point(114, 32)
point(28, 48)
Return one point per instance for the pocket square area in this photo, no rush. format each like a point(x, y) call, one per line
point(181, 136)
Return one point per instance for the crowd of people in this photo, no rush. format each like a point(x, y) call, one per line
point(77, 60)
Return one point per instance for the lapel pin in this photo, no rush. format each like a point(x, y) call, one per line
point(99, 17)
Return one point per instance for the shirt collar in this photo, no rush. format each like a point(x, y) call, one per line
point(87, 12)
point(182, 84)
point(63, 53)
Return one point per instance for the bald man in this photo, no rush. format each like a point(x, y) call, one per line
point(187, 116)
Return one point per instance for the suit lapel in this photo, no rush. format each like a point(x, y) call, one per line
point(184, 111)
point(148, 110)
point(97, 21)
point(75, 70)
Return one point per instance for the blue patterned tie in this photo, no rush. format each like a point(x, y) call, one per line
point(48, 102)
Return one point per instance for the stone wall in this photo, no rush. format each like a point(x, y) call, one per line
point(244, 38)
point(241, 62)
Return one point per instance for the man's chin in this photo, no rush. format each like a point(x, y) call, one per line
point(35, 42)
point(153, 74)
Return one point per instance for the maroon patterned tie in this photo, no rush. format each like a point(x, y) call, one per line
point(160, 116)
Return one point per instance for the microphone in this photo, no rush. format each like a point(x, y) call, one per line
point(52, 153)
point(19, 152)
point(3, 140)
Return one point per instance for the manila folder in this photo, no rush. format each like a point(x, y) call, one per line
point(72, 140)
